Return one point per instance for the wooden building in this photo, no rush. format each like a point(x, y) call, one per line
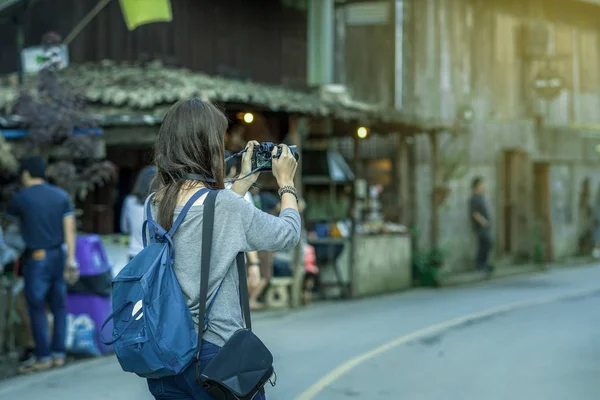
point(262, 40)
point(248, 56)
point(534, 144)
point(514, 88)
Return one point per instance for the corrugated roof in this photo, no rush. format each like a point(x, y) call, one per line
point(119, 89)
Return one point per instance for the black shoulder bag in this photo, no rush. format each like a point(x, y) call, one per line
point(243, 365)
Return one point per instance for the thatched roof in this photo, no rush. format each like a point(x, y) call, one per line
point(118, 89)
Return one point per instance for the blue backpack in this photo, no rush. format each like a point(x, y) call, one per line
point(153, 332)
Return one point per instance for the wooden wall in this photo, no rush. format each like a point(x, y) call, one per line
point(365, 50)
point(469, 53)
point(264, 40)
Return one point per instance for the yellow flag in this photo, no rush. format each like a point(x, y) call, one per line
point(140, 12)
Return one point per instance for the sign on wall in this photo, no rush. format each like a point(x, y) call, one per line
point(35, 58)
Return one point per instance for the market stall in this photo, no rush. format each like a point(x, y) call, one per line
point(327, 181)
point(382, 250)
point(358, 251)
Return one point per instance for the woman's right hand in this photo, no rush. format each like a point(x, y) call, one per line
point(284, 167)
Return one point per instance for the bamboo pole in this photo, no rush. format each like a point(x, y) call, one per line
point(81, 25)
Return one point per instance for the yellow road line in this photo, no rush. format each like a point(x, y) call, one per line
point(344, 368)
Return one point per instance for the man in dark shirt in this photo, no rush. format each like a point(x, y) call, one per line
point(481, 222)
point(47, 223)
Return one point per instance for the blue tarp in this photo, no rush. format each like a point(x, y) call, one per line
point(20, 133)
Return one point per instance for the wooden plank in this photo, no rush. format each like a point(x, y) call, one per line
point(435, 180)
point(297, 128)
point(358, 173)
point(400, 174)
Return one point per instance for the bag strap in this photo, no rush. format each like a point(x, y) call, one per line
point(207, 239)
point(208, 222)
point(244, 296)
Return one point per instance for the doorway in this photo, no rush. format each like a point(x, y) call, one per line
point(584, 216)
point(541, 213)
point(515, 205)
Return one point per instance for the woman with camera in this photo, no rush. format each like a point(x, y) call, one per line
point(190, 156)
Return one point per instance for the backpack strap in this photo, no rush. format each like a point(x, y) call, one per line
point(145, 224)
point(156, 231)
point(185, 210)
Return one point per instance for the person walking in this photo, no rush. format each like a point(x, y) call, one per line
point(190, 157)
point(47, 219)
point(132, 214)
point(481, 222)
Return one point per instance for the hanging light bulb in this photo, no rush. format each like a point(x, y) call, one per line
point(248, 118)
point(362, 132)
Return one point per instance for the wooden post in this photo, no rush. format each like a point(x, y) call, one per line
point(297, 128)
point(400, 176)
point(435, 174)
point(411, 184)
point(354, 215)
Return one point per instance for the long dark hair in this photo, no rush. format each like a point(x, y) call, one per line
point(190, 140)
point(145, 183)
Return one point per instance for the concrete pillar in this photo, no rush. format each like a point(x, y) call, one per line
point(320, 42)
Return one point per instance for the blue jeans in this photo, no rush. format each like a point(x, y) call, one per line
point(184, 385)
point(44, 281)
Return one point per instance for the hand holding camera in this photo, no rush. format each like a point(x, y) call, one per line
point(284, 165)
point(246, 170)
point(281, 159)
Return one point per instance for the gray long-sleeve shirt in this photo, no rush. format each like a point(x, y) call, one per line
point(239, 227)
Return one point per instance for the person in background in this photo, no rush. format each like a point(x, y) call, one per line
point(481, 222)
point(269, 203)
point(132, 215)
point(256, 284)
point(47, 220)
point(8, 255)
point(596, 225)
point(283, 260)
point(11, 248)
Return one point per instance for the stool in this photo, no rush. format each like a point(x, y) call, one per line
point(278, 295)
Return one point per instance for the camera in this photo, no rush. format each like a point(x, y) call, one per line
point(262, 156)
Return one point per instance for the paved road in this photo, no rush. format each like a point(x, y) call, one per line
point(547, 351)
